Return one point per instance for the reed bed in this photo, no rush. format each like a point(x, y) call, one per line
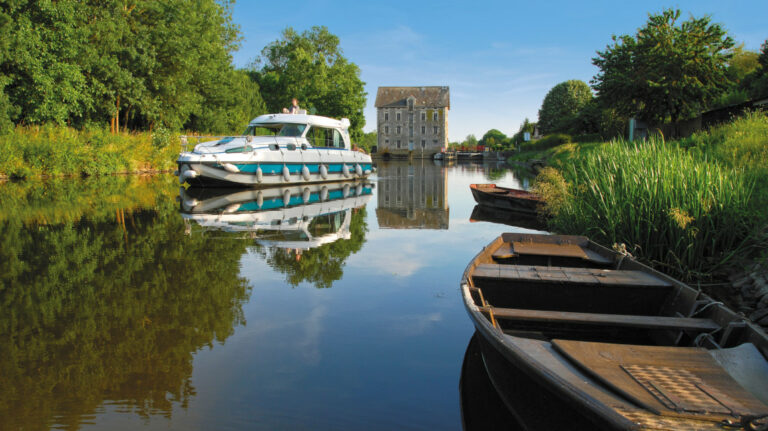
point(681, 211)
point(50, 150)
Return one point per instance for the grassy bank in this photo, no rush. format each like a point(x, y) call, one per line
point(689, 207)
point(29, 152)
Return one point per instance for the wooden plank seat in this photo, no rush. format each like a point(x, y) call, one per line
point(567, 275)
point(615, 320)
point(519, 246)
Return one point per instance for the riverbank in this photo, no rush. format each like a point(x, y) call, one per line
point(693, 208)
point(52, 151)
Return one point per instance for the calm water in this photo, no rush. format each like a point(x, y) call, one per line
point(125, 304)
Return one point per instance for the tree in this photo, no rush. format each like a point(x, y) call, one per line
point(756, 83)
point(310, 67)
point(494, 139)
point(368, 141)
point(470, 142)
point(525, 126)
point(561, 106)
point(667, 71)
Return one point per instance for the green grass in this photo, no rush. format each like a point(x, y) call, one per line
point(53, 151)
point(688, 207)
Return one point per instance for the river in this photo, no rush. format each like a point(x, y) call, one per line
point(127, 304)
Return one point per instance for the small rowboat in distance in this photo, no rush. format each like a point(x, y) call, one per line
point(610, 341)
point(505, 198)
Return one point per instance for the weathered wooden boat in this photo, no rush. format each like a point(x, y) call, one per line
point(505, 198)
point(612, 342)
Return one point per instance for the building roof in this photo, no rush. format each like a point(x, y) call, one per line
point(424, 97)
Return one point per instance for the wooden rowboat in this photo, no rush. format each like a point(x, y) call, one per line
point(611, 342)
point(505, 198)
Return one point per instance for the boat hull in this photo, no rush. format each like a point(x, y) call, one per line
point(550, 314)
point(271, 174)
point(503, 198)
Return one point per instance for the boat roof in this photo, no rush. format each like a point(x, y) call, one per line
point(312, 120)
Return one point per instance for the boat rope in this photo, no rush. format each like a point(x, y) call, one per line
point(707, 305)
point(708, 336)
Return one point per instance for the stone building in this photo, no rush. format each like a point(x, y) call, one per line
point(412, 121)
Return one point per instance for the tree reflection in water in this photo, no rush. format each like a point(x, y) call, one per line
point(322, 265)
point(103, 297)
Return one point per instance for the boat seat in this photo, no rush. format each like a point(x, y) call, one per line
point(567, 275)
point(614, 320)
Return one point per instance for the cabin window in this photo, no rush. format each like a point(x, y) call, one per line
point(325, 138)
point(292, 130)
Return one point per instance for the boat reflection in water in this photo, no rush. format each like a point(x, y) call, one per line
point(298, 217)
point(482, 213)
point(305, 232)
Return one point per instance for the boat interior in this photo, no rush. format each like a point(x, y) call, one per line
point(624, 324)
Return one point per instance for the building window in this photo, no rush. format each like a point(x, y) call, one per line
point(423, 116)
point(434, 130)
point(410, 117)
point(410, 104)
point(423, 130)
point(423, 143)
point(398, 130)
point(386, 130)
point(434, 142)
point(434, 116)
point(397, 116)
point(386, 142)
point(386, 116)
point(398, 143)
point(410, 131)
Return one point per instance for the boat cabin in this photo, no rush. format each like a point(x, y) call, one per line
point(316, 131)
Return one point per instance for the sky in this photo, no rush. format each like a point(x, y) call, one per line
point(499, 58)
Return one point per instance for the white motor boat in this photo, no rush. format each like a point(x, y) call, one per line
point(291, 217)
point(277, 149)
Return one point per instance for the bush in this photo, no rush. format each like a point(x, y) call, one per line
point(562, 104)
point(588, 137)
point(547, 142)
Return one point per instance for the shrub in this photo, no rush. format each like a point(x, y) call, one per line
point(546, 142)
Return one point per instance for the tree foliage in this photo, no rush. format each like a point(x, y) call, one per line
point(756, 83)
point(135, 64)
point(668, 71)
point(561, 106)
point(310, 67)
point(494, 139)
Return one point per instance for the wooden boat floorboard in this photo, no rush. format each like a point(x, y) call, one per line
point(672, 381)
point(649, 322)
point(603, 277)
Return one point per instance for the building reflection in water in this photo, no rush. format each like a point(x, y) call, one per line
point(412, 195)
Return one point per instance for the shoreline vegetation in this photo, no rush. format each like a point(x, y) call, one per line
point(693, 207)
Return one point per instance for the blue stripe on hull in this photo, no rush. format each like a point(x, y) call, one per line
point(277, 203)
point(294, 168)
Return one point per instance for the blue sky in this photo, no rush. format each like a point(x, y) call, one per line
point(498, 57)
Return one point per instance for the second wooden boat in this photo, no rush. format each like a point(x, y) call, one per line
point(612, 341)
point(505, 198)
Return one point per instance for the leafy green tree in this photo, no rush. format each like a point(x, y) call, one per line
point(756, 83)
point(470, 142)
point(310, 67)
point(494, 139)
point(525, 126)
point(668, 71)
point(368, 140)
point(561, 106)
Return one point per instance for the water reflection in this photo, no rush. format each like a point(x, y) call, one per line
point(305, 232)
point(102, 297)
point(412, 195)
point(484, 213)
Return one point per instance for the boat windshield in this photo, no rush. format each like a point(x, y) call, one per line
point(292, 130)
point(254, 130)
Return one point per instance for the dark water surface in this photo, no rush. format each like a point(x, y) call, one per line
point(123, 308)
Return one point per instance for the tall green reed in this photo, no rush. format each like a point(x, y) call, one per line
point(683, 212)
